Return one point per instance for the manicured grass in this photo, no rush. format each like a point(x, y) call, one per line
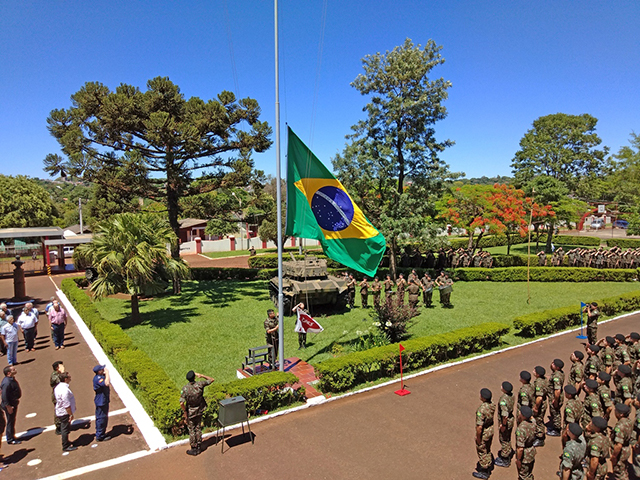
point(212, 324)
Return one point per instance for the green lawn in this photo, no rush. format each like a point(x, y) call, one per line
point(212, 324)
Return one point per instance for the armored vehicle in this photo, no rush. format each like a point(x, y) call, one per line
point(308, 281)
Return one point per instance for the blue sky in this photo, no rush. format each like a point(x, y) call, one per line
point(509, 61)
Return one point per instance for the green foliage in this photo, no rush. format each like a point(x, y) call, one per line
point(393, 320)
point(345, 372)
point(24, 203)
point(573, 240)
point(545, 274)
point(623, 242)
point(485, 242)
point(271, 260)
point(551, 321)
point(224, 273)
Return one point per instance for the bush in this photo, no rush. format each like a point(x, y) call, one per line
point(557, 319)
point(224, 273)
point(545, 274)
point(393, 319)
point(345, 372)
point(623, 243)
point(271, 260)
point(157, 392)
point(572, 240)
point(486, 241)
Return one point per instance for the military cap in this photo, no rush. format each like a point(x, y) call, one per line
point(526, 376)
point(623, 408)
point(591, 383)
point(604, 376)
point(485, 393)
point(594, 304)
point(540, 371)
point(635, 335)
point(558, 363)
point(610, 340)
point(624, 369)
point(575, 429)
point(600, 423)
point(526, 411)
point(594, 348)
point(620, 337)
point(191, 375)
point(570, 389)
point(507, 387)
point(579, 355)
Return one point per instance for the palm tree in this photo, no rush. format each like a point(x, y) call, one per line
point(131, 253)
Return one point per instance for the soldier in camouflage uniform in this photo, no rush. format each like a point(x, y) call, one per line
point(573, 409)
point(193, 405)
point(621, 437)
point(388, 289)
point(427, 290)
point(364, 292)
point(621, 352)
point(598, 447)
point(484, 434)
point(604, 394)
point(402, 285)
point(592, 322)
point(540, 385)
point(592, 405)
point(593, 365)
point(634, 346)
point(635, 441)
point(573, 453)
point(505, 425)
point(351, 291)
point(376, 286)
point(624, 387)
point(526, 394)
point(607, 354)
point(58, 369)
point(414, 293)
point(576, 374)
point(555, 397)
point(271, 334)
point(525, 439)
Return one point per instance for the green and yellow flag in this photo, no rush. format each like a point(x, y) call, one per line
point(319, 207)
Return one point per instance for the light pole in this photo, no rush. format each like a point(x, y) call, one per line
point(241, 218)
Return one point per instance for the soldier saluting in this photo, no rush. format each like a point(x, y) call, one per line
point(193, 405)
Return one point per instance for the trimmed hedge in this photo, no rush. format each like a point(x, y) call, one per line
point(486, 241)
point(572, 240)
point(223, 273)
point(271, 260)
point(551, 321)
point(342, 373)
point(546, 274)
point(156, 391)
point(623, 242)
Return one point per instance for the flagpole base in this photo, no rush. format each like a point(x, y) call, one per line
point(582, 337)
point(402, 392)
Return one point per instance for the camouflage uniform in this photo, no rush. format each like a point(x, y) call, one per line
point(526, 396)
point(621, 355)
point(573, 411)
point(525, 436)
point(272, 338)
point(624, 390)
point(414, 292)
point(572, 457)
point(607, 356)
point(592, 408)
point(598, 447)
point(484, 418)
point(622, 433)
point(576, 374)
point(604, 394)
point(402, 283)
point(427, 291)
point(505, 410)
point(351, 292)
point(592, 326)
point(364, 293)
point(540, 386)
point(556, 382)
point(636, 445)
point(388, 290)
point(54, 381)
point(376, 286)
point(192, 397)
point(593, 366)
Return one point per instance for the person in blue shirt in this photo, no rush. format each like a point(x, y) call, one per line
point(101, 387)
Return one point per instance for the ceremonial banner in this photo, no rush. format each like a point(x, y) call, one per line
point(319, 207)
point(306, 324)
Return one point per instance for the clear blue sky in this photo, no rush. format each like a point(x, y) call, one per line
point(509, 61)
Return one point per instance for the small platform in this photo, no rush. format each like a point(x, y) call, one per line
point(301, 369)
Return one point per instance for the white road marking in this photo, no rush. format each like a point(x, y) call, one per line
point(99, 465)
point(30, 415)
point(34, 462)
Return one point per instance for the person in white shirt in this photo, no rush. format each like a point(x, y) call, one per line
point(65, 408)
point(28, 322)
point(9, 336)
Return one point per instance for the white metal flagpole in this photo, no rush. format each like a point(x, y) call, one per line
point(279, 201)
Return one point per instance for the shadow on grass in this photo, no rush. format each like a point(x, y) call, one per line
point(159, 318)
point(221, 293)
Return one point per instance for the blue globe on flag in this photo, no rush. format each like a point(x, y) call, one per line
point(332, 208)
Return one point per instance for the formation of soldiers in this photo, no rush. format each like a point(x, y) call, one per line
point(580, 410)
point(398, 291)
point(592, 257)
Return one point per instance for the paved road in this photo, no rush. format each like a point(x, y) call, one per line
point(36, 410)
point(376, 435)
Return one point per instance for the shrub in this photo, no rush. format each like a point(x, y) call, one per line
point(545, 274)
point(486, 241)
point(572, 240)
point(393, 319)
point(623, 243)
point(550, 321)
point(342, 373)
point(224, 273)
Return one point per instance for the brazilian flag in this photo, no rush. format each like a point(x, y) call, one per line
point(319, 207)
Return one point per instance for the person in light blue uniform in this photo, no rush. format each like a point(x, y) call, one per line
point(101, 387)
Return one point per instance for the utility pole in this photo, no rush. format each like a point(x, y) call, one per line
point(80, 211)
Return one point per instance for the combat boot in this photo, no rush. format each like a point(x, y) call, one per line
point(538, 442)
point(481, 473)
point(502, 462)
point(553, 432)
point(193, 452)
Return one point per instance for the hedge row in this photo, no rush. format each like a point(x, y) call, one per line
point(572, 240)
point(550, 321)
point(157, 392)
point(342, 373)
point(546, 274)
point(271, 260)
point(623, 242)
point(501, 240)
